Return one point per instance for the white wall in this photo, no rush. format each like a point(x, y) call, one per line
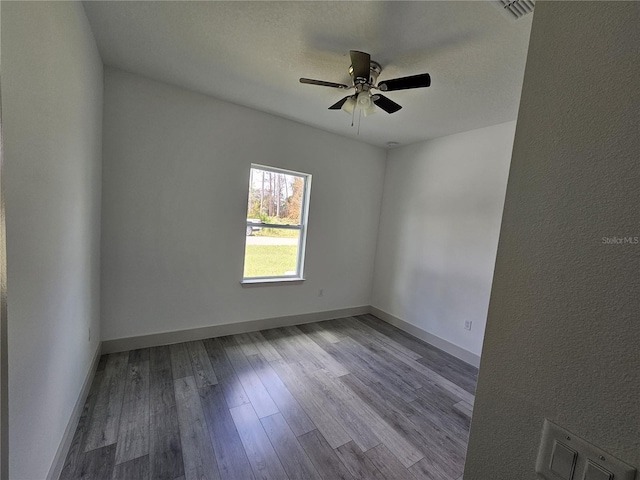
point(563, 332)
point(439, 229)
point(52, 113)
point(176, 170)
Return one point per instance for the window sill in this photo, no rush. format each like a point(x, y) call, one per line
point(262, 282)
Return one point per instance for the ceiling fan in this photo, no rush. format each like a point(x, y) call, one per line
point(364, 75)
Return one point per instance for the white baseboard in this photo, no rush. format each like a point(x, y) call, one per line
point(441, 343)
point(69, 432)
point(179, 336)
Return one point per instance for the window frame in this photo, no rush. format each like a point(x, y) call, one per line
point(302, 228)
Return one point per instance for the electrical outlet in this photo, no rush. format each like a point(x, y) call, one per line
point(321, 292)
point(467, 324)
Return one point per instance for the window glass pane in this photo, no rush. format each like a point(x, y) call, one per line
point(275, 197)
point(271, 252)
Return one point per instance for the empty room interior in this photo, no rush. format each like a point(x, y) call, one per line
point(320, 240)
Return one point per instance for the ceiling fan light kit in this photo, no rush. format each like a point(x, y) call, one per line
point(349, 105)
point(364, 75)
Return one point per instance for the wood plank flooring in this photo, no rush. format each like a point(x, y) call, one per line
point(347, 399)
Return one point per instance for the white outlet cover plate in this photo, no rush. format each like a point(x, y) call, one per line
point(587, 452)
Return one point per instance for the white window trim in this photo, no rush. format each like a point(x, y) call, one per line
point(298, 277)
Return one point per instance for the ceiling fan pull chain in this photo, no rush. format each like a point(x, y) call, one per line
point(359, 118)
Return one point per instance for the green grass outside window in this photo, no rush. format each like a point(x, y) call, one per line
point(270, 260)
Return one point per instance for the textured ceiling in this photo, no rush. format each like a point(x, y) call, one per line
point(252, 53)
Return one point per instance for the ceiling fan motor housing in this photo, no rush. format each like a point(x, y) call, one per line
point(374, 71)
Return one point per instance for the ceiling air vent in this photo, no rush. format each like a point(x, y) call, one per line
point(516, 8)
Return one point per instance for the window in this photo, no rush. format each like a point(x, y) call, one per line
point(276, 226)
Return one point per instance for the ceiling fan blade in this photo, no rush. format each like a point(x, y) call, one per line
point(386, 104)
point(322, 83)
point(361, 63)
point(338, 105)
point(405, 83)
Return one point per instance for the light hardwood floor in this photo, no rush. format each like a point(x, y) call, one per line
point(353, 398)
